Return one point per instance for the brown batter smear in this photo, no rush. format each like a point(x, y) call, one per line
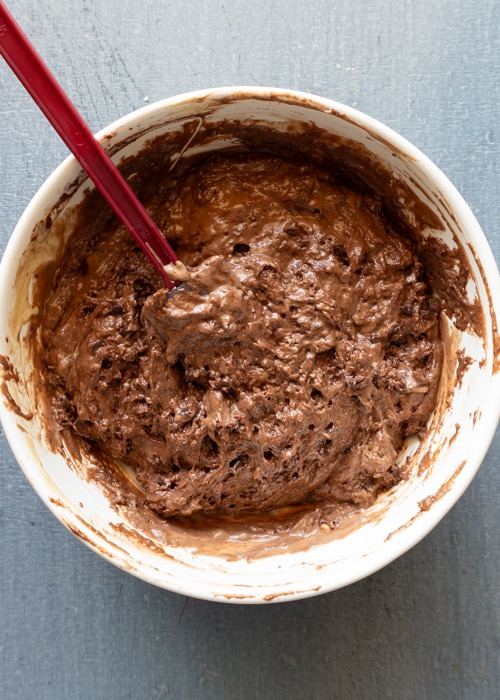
point(303, 351)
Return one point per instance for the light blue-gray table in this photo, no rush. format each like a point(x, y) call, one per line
point(427, 626)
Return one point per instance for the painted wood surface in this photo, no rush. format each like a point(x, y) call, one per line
point(428, 625)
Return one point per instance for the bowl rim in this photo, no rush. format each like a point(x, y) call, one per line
point(488, 423)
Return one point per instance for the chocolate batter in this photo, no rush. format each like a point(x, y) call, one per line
point(288, 370)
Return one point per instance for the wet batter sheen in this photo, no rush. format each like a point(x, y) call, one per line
point(303, 350)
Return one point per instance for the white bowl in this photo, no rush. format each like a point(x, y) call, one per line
point(265, 569)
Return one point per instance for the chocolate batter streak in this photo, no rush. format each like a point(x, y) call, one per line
point(304, 352)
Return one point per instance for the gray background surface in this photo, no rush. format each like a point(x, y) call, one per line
point(427, 626)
